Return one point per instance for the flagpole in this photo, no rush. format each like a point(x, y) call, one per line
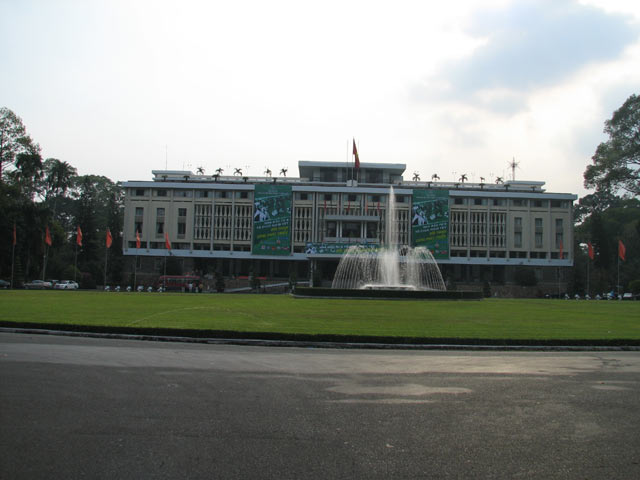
point(106, 256)
point(588, 261)
point(135, 272)
point(13, 255)
point(618, 282)
point(44, 265)
point(75, 264)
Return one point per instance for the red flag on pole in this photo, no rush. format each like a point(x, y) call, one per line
point(622, 251)
point(15, 237)
point(137, 239)
point(47, 236)
point(167, 243)
point(109, 238)
point(79, 237)
point(590, 249)
point(355, 152)
point(561, 254)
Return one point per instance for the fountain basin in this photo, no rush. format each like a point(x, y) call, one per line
point(386, 294)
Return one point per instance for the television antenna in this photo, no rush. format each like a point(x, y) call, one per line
point(513, 165)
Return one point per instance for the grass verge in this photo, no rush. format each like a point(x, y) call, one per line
point(501, 321)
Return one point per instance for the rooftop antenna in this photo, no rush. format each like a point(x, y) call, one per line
point(513, 165)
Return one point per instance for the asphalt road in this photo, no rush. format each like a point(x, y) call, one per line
point(92, 408)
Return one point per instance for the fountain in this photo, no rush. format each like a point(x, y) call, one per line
point(392, 267)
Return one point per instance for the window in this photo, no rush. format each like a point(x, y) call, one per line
point(242, 194)
point(374, 176)
point(559, 204)
point(328, 175)
point(159, 221)
point(518, 202)
point(458, 201)
point(182, 222)
point(499, 202)
point(302, 196)
point(538, 232)
point(139, 192)
point(400, 198)
point(540, 203)
point(351, 230)
point(138, 219)
point(559, 233)
point(222, 194)
point(517, 232)
point(203, 193)
point(479, 201)
point(331, 229)
point(352, 197)
point(372, 230)
point(183, 193)
point(161, 193)
point(374, 198)
point(328, 197)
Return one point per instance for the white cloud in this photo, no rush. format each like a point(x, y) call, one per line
point(107, 85)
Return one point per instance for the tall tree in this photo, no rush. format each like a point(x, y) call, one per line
point(58, 179)
point(13, 138)
point(616, 163)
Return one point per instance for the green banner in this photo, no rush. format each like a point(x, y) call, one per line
point(317, 248)
point(272, 220)
point(430, 221)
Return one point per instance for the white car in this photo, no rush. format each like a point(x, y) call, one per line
point(66, 285)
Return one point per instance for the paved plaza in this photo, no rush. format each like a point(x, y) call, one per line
point(97, 408)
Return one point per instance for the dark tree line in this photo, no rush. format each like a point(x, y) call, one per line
point(36, 194)
point(612, 212)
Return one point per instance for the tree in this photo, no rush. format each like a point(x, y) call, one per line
point(28, 173)
point(58, 177)
point(616, 163)
point(13, 138)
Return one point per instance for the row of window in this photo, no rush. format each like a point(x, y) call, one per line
point(332, 197)
point(514, 202)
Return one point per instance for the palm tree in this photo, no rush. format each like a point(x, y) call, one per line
point(463, 178)
point(28, 172)
point(200, 171)
point(283, 172)
point(267, 172)
point(238, 171)
point(435, 177)
point(499, 180)
point(481, 179)
point(219, 171)
point(58, 179)
point(416, 177)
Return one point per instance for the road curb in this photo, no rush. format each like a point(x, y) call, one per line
point(323, 345)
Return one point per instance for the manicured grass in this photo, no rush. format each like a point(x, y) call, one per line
point(486, 319)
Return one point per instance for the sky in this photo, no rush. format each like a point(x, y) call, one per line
point(120, 88)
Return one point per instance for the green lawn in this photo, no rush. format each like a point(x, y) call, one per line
point(489, 319)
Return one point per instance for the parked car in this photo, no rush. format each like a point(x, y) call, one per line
point(66, 285)
point(4, 284)
point(37, 285)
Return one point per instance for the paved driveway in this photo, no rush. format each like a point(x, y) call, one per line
point(92, 408)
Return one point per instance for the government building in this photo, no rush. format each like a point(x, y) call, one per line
point(479, 233)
